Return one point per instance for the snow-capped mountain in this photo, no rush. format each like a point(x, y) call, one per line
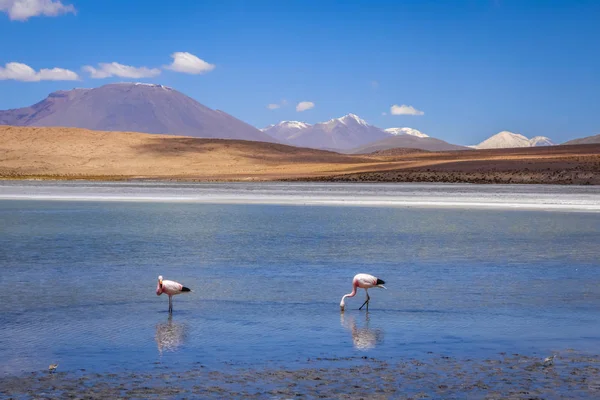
point(405, 131)
point(285, 129)
point(541, 141)
point(353, 134)
point(288, 125)
point(343, 133)
point(348, 120)
point(507, 139)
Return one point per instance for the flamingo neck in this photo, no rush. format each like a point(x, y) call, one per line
point(342, 305)
point(353, 292)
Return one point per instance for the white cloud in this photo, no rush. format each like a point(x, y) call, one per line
point(189, 64)
point(22, 10)
point(106, 70)
point(404, 110)
point(24, 73)
point(305, 105)
point(275, 106)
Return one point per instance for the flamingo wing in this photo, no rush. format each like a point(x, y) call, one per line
point(366, 281)
point(171, 287)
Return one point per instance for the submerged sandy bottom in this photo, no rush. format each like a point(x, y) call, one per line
point(507, 376)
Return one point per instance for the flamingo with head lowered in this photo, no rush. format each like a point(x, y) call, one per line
point(363, 281)
point(171, 288)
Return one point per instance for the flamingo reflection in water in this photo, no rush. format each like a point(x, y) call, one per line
point(363, 338)
point(170, 335)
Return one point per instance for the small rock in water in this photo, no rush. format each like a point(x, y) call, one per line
point(549, 360)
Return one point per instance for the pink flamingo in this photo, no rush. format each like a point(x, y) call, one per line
point(364, 281)
point(171, 288)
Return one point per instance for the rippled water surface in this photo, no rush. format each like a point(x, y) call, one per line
point(79, 281)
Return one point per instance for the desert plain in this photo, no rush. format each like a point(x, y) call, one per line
point(73, 153)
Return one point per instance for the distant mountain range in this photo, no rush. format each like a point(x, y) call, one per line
point(342, 133)
point(150, 108)
point(351, 134)
point(133, 107)
point(506, 139)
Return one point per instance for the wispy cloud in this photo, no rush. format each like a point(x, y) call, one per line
point(374, 84)
point(305, 105)
point(275, 106)
point(404, 110)
point(22, 10)
point(384, 113)
point(189, 64)
point(107, 70)
point(23, 72)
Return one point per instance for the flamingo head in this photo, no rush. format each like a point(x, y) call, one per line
point(342, 305)
point(159, 286)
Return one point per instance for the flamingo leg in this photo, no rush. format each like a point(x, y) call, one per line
point(170, 304)
point(366, 301)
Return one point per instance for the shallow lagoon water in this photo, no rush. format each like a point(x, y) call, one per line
point(79, 280)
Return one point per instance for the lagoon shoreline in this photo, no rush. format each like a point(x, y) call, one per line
point(406, 195)
point(570, 375)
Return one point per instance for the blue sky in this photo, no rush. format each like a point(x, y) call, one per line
point(473, 68)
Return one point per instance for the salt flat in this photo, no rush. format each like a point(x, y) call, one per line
point(533, 197)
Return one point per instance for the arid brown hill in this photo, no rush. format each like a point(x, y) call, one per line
point(585, 140)
point(407, 141)
point(74, 152)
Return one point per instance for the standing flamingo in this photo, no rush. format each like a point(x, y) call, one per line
point(364, 281)
point(171, 288)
